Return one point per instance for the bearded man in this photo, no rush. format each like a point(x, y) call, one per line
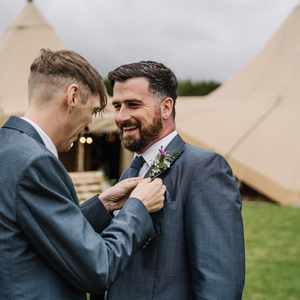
point(199, 252)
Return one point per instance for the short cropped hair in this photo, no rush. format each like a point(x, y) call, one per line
point(162, 81)
point(59, 67)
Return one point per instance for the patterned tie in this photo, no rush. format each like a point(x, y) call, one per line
point(135, 166)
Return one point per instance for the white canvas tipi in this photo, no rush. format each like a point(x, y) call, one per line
point(19, 45)
point(254, 118)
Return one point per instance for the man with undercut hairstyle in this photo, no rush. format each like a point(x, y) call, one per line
point(50, 247)
point(199, 252)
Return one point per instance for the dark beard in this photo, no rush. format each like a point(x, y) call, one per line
point(147, 135)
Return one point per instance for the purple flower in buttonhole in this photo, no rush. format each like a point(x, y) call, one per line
point(162, 152)
point(162, 162)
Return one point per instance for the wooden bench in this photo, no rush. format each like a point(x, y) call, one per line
point(88, 184)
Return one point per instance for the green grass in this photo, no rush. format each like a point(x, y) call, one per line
point(272, 251)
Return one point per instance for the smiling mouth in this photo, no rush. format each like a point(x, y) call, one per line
point(129, 128)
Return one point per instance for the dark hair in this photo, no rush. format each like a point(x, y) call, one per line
point(162, 80)
point(66, 64)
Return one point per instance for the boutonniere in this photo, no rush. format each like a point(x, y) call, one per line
point(162, 162)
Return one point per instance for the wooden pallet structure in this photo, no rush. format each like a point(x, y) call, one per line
point(88, 184)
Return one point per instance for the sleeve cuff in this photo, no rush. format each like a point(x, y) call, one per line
point(96, 213)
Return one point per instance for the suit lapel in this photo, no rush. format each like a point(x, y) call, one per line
point(22, 126)
point(124, 174)
point(176, 148)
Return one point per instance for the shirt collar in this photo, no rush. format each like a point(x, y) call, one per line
point(44, 136)
point(150, 154)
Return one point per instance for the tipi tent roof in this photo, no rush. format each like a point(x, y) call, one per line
point(18, 47)
point(254, 118)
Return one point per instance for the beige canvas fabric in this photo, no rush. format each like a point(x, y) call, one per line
point(254, 118)
point(2, 117)
point(19, 45)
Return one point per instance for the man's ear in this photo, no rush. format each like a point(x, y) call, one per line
point(72, 96)
point(166, 107)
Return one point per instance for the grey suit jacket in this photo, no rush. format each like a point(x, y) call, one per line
point(199, 253)
point(50, 248)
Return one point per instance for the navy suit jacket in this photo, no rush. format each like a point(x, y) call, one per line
point(199, 253)
point(50, 248)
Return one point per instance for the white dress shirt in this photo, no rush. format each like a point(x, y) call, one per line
point(150, 154)
point(44, 136)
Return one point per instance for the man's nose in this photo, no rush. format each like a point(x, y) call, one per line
point(122, 115)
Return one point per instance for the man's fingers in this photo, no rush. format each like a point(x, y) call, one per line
point(157, 181)
point(130, 183)
point(132, 179)
point(146, 180)
point(156, 184)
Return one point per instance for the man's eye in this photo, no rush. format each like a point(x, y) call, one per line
point(133, 105)
point(96, 112)
point(117, 107)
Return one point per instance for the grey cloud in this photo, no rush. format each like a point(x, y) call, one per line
point(199, 39)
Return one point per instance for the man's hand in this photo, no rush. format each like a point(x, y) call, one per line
point(114, 197)
point(151, 193)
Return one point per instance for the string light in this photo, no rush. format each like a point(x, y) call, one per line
point(82, 140)
point(88, 140)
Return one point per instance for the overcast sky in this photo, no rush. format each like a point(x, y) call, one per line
point(198, 39)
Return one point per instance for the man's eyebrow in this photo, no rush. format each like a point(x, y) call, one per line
point(125, 101)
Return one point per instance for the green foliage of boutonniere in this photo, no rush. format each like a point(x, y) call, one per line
point(162, 162)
